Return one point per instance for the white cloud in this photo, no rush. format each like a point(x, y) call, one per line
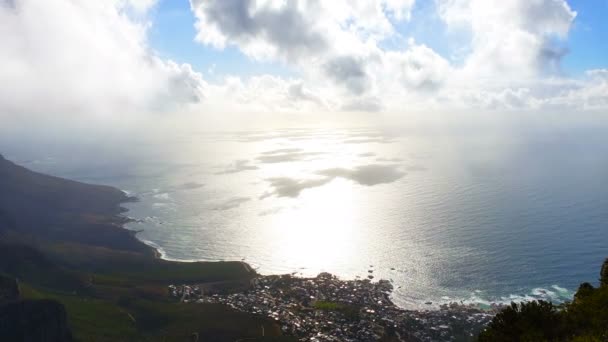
point(264, 94)
point(511, 39)
point(334, 45)
point(418, 68)
point(401, 9)
point(85, 57)
point(591, 94)
point(93, 57)
point(513, 61)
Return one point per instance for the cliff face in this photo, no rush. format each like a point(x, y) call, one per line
point(35, 321)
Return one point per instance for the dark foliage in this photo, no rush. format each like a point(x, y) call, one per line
point(585, 319)
point(35, 321)
point(533, 321)
point(604, 274)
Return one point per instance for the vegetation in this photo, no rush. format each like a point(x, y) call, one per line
point(75, 252)
point(349, 311)
point(585, 319)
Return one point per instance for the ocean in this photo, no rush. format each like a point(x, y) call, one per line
point(472, 215)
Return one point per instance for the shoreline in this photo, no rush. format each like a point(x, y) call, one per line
point(154, 249)
point(423, 306)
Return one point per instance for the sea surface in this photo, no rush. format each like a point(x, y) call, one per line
point(468, 215)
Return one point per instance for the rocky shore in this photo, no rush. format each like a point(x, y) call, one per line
point(326, 308)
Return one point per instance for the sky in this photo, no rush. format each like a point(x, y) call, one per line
point(64, 60)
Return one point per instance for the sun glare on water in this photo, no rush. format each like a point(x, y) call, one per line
point(320, 230)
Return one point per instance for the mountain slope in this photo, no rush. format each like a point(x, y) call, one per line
point(65, 242)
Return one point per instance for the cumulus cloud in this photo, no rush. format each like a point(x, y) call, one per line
point(62, 57)
point(297, 92)
point(76, 58)
point(261, 28)
point(418, 68)
point(511, 58)
point(590, 94)
point(510, 38)
point(335, 42)
point(348, 71)
point(292, 30)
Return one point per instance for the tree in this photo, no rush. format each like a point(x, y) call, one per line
point(583, 320)
point(604, 274)
point(531, 321)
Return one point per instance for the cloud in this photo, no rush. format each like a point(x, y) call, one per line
point(418, 68)
point(350, 56)
point(365, 104)
point(400, 9)
point(79, 58)
point(297, 92)
point(292, 30)
point(259, 28)
point(555, 95)
point(263, 93)
point(511, 38)
point(334, 44)
point(590, 94)
point(348, 71)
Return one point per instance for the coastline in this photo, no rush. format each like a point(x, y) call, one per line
point(422, 305)
point(154, 249)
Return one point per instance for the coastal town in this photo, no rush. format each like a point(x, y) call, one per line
point(326, 308)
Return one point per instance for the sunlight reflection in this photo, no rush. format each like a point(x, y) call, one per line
point(321, 231)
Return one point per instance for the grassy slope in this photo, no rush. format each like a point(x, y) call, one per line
point(130, 304)
point(153, 320)
point(64, 241)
